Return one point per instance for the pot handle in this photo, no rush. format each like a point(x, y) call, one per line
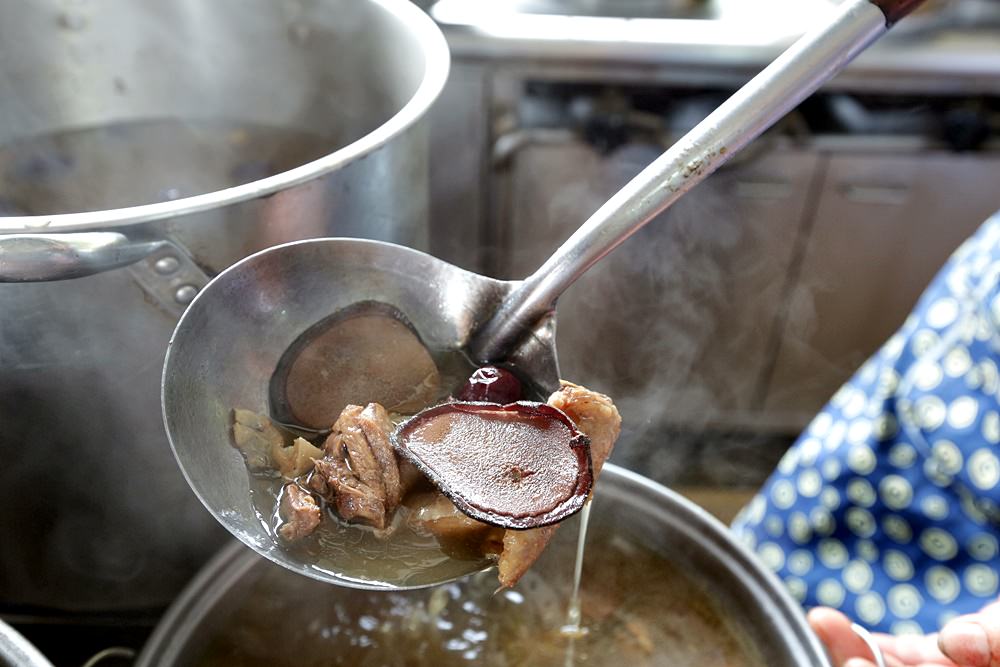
point(45, 257)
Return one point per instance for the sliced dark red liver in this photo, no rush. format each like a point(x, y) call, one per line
point(521, 465)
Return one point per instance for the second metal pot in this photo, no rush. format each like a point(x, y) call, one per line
point(751, 613)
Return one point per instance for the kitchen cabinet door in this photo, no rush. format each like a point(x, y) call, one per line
point(884, 225)
point(675, 323)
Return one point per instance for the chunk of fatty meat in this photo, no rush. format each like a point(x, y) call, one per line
point(299, 512)
point(595, 415)
point(256, 437)
point(359, 474)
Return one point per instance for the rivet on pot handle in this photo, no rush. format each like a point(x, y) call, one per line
point(45, 257)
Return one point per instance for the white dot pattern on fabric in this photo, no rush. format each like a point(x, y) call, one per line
point(888, 381)
point(799, 529)
point(980, 580)
point(755, 511)
point(934, 507)
point(870, 608)
point(991, 427)
point(858, 576)
point(995, 307)
point(895, 492)
point(962, 412)
point(948, 456)
point(857, 433)
point(822, 521)
point(868, 372)
point(904, 600)
point(867, 550)
point(836, 437)
point(982, 547)
point(800, 562)
point(830, 593)
point(748, 539)
point(902, 455)
point(974, 378)
point(930, 412)
point(923, 341)
point(897, 528)
point(797, 588)
point(894, 346)
point(821, 425)
point(897, 565)
point(830, 469)
point(935, 474)
point(942, 313)
point(927, 375)
point(957, 362)
point(875, 409)
point(989, 376)
point(832, 553)
point(860, 522)
point(861, 459)
point(906, 628)
point(984, 469)
point(830, 498)
point(789, 462)
point(942, 584)
point(860, 492)
point(783, 494)
point(938, 544)
point(771, 555)
point(882, 504)
point(809, 484)
point(809, 451)
point(855, 404)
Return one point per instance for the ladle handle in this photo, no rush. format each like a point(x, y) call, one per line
point(793, 76)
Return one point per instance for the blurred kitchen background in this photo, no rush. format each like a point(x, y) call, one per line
point(724, 326)
point(721, 328)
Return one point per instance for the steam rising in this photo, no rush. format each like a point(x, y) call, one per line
point(676, 325)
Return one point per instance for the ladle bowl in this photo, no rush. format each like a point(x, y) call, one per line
point(229, 342)
point(231, 338)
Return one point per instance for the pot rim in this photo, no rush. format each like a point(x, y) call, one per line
point(168, 641)
point(437, 58)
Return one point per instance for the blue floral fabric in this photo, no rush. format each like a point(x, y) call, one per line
point(888, 505)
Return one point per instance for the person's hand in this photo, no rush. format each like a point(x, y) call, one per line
point(967, 641)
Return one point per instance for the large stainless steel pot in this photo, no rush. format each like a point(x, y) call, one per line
point(154, 144)
point(747, 599)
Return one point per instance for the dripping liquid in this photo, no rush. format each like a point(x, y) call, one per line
point(573, 629)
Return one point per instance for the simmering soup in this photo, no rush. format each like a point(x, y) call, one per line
point(638, 609)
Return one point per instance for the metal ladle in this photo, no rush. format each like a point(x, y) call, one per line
point(232, 336)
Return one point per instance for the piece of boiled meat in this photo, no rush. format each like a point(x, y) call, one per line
point(595, 415)
point(299, 512)
point(359, 474)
